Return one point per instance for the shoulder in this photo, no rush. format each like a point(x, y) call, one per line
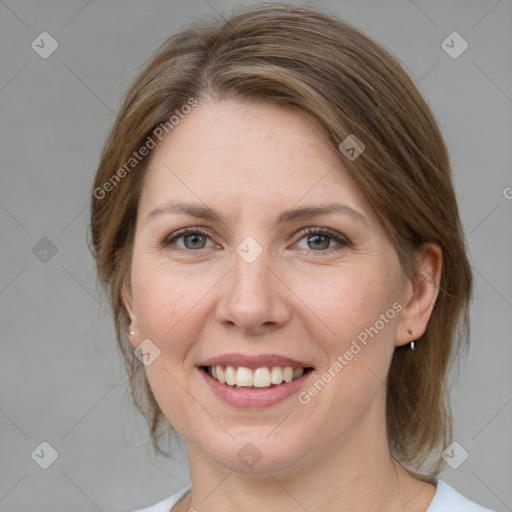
point(447, 499)
point(167, 504)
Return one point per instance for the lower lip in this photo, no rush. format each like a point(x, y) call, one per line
point(255, 398)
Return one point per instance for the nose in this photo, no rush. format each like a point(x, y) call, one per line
point(254, 297)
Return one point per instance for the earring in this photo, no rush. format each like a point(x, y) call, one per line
point(131, 333)
point(412, 342)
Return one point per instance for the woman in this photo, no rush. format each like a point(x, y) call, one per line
point(275, 220)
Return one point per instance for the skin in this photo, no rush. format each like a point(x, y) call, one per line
point(303, 297)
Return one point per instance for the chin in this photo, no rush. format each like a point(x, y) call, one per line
point(255, 452)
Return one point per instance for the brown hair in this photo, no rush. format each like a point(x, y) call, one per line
point(310, 60)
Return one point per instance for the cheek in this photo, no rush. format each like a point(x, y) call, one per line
point(349, 304)
point(167, 305)
point(354, 323)
point(348, 326)
point(166, 302)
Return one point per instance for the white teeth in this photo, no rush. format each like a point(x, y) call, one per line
point(276, 377)
point(243, 376)
point(230, 375)
point(288, 374)
point(262, 377)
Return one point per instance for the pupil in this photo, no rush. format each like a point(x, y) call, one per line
point(317, 237)
point(194, 238)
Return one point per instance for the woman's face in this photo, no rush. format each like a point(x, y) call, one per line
point(252, 286)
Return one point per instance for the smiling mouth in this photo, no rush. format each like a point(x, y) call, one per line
point(241, 377)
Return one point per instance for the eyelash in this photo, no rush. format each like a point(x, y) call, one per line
point(340, 240)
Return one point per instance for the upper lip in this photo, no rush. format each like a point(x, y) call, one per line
point(254, 361)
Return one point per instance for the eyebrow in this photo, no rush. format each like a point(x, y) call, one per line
point(306, 212)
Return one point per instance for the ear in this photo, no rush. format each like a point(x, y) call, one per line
point(126, 295)
point(420, 294)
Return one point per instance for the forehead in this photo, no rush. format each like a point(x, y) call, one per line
point(235, 154)
point(230, 133)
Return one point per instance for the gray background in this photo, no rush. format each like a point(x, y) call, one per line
point(61, 380)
